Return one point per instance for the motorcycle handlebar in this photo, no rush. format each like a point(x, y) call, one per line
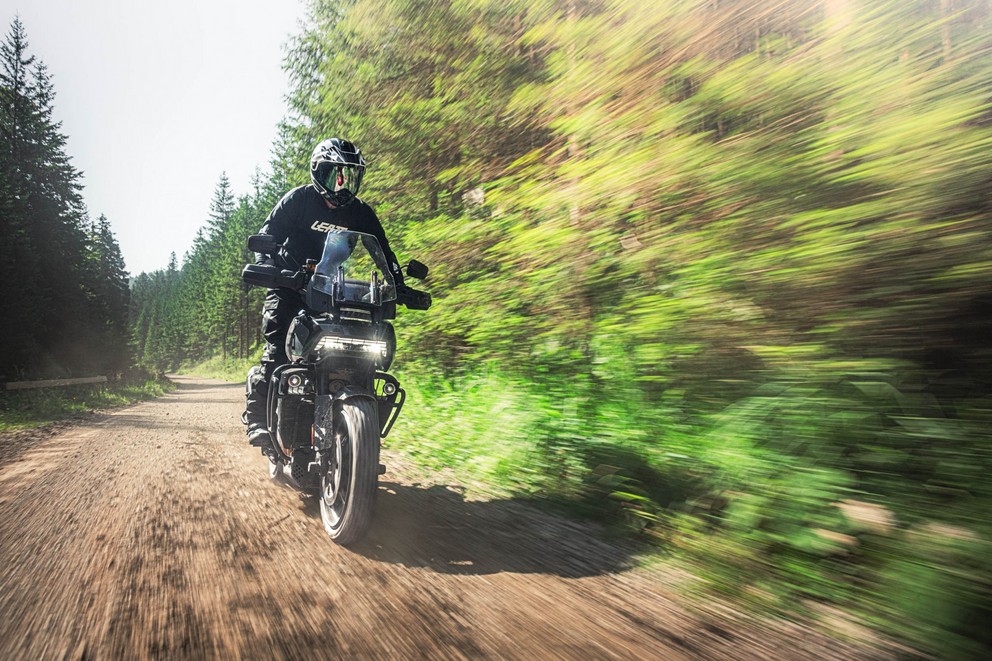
point(271, 277)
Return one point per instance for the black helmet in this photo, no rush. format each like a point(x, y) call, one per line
point(336, 169)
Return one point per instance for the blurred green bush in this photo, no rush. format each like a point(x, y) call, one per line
point(717, 271)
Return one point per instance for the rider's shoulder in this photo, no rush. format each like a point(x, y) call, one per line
point(304, 192)
point(362, 206)
point(298, 195)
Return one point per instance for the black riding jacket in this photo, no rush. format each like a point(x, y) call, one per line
point(302, 219)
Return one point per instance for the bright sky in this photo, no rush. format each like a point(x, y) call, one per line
point(157, 98)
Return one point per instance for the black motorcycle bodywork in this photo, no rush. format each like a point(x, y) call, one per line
point(331, 404)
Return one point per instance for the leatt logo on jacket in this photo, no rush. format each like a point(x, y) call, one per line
point(325, 227)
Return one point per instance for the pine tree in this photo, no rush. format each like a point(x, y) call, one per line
point(113, 295)
point(15, 112)
point(54, 264)
point(223, 312)
point(222, 205)
point(43, 220)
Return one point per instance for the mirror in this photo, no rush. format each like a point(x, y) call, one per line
point(416, 269)
point(262, 243)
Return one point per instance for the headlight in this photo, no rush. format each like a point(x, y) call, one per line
point(351, 345)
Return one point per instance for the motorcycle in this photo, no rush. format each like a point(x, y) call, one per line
point(331, 405)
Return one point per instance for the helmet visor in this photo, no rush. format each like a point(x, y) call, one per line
point(335, 177)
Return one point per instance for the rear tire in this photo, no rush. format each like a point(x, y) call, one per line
point(347, 489)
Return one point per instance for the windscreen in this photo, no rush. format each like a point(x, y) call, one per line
point(353, 268)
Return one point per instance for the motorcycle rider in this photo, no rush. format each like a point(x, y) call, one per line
point(300, 222)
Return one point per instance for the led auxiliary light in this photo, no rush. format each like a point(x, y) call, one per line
point(388, 388)
point(296, 384)
point(352, 345)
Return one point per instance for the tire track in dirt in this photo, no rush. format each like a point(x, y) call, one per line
point(153, 532)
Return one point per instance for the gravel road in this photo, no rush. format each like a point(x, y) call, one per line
point(154, 532)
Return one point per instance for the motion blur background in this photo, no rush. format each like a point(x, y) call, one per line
point(715, 271)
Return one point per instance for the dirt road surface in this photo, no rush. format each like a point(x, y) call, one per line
point(154, 532)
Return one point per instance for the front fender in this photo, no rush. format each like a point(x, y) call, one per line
point(350, 392)
point(328, 407)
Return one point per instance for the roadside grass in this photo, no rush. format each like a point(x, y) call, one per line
point(479, 432)
point(233, 370)
point(763, 501)
point(25, 409)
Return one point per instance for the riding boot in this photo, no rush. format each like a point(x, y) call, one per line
point(256, 401)
point(262, 439)
point(256, 398)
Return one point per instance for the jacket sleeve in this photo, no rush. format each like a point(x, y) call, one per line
point(374, 227)
point(280, 221)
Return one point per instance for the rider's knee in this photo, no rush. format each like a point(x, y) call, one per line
point(255, 374)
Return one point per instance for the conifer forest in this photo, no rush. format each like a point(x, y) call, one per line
point(64, 286)
point(716, 272)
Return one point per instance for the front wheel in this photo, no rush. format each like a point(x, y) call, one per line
point(347, 489)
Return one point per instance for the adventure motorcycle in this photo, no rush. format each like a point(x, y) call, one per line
point(332, 403)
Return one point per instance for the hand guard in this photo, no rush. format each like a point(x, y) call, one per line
point(412, 298)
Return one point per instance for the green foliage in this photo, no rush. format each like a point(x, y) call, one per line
point(227, 369)
point(32, 408)
point(715, 271)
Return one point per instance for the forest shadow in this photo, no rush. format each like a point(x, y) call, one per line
point(435, 527)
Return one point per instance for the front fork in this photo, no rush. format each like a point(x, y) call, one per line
point(388, 397)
